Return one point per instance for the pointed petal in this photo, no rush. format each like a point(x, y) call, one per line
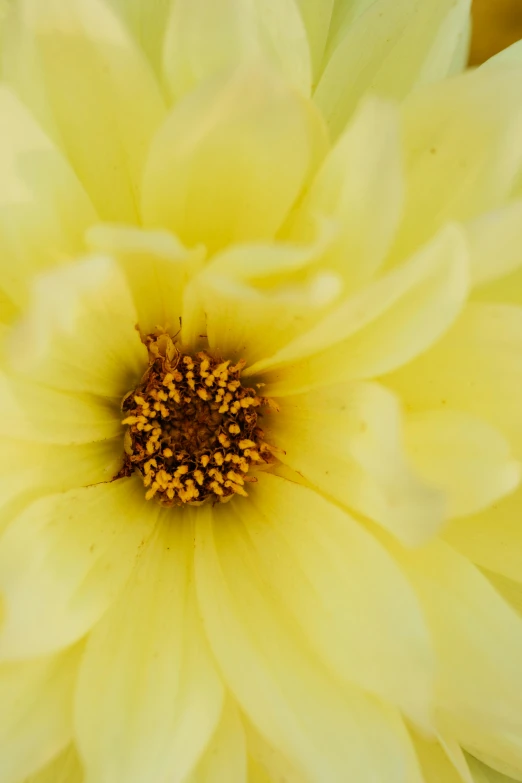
point(79, 334)
point(157, 267)
point(384, 325)
point(36, 717)
point(394, 46)
point(483, 774)
point(360, 187)
point(495, 243)
point(101, 97)
point(149, 698)
point(510, 57)
point(435, 764)
point(475, 367)
point(329, 732)
point(44, 209)
point(347, 440)
point(234, 31)
point(478, 642)
point(65, 768)
point(317, 17)
point(231, 159)
point(462, 455)
point(63, 561)
point(225, 757)
point(147, 21)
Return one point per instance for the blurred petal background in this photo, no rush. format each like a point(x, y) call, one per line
point(496, 24)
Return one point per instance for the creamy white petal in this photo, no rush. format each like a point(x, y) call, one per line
point(63, 561)
point(478, 643)
point(149, 697)
point(82, 73)
point(225, 756)
point(394, 46)
point(157, 268)
point(347, 440)
point(476, 367)
point(495, 243)
point(80, 332)
point(329, 732)
point(382, 326)
point(468, 459)
point(64, 768)
point(234, 31)
point(464, 138)
point(231, 159)
point(36, 719)
point(360, 187)
point(44, 209)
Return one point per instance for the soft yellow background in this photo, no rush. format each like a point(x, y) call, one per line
point(497, 24)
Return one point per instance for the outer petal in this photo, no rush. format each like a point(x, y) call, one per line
point(231, 159)
point(327, 732)
point(225, 757)
point(63, 561)
point(44, 210)
point(100, 95)
point(65, 768)
point(347, 440)
point(463, 137)
point(391, 48)
point(384, 325)
point(478, 641)
point(234, 31)
point(149, 697)
point(476, 367)
point(80, 332)
point(36, 717)
point(462, 455)
point(360, 187)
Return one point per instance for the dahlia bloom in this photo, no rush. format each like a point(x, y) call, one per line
point(261, 320)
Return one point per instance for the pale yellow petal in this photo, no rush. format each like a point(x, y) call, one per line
point(265, 763)
point(100, 94)
point(382, 326)
point(483, 774)
point(435, 764)
point(476, 367)
point(148, 21)
point(394, 46)
point(492, 538)
point(317, 17)
point(344, 591)
point(234, 31)
point(464, 138)
point(231, 159)
point(44, 209)
point(468, 459)
point(63, 561)
point(360, 187)
point(157, 268)
point(80, 331)
point(64, 768)
point(510, 590)
point(149, 698)
point(327, 731)
point(36, 719)
point(495, 243)
point(347, 440)
point(225, 757)
point(510, 57)
point(478, 642)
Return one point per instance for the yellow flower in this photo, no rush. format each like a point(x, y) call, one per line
point(229, 273)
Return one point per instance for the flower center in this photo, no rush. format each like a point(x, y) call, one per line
point(192, 428)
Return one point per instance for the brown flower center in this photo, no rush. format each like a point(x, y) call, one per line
point(192, 428)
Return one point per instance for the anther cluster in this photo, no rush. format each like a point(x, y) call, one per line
point(192, 428)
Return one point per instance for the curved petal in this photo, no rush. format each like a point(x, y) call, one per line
point(63, 561)
point(435, 763)
point(462, 455)
point(36, 720)
point(317, 17)
point(234, 31)
point(225, 757)
point(347, 440)
point(44, 209)
point(475, 367)
point(148, 697)
point(65, 768)
point(382, 326)
point(482, 774)
point(492, 538)
point(478, 643)
point(394, 46)
point(231, 159)
point(80, 332)
point(148, 22)
point(495, 243)
point(329, 732)
point(82, 74)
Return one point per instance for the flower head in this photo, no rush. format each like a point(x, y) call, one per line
point(261, 370)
